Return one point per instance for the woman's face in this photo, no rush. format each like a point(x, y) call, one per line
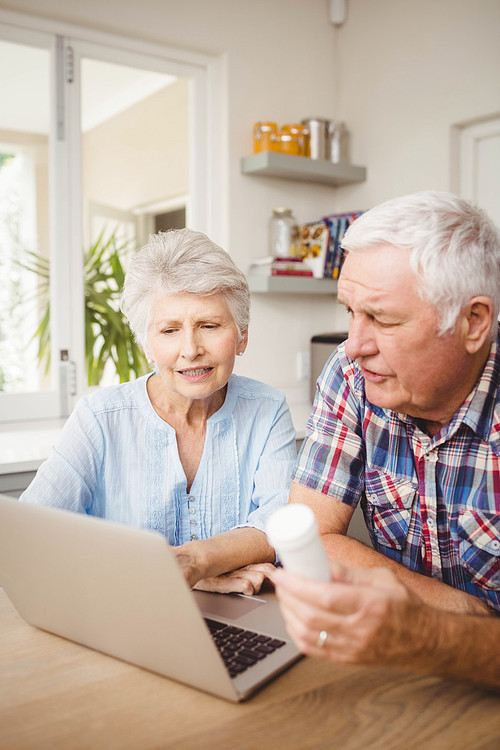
point(194, 341)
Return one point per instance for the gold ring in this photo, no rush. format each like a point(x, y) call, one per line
point(322, 639)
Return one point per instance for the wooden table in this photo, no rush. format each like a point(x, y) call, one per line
point(57, 695)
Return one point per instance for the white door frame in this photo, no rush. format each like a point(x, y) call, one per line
point(467, 177)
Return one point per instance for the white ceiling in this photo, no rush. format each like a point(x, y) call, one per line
point(107, 89)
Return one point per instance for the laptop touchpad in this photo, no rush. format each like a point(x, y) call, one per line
point(227, 606)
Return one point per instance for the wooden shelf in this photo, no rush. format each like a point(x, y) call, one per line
point(291, 285)
point(285, 166)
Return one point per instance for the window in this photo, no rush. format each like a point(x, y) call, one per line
point(97, 140)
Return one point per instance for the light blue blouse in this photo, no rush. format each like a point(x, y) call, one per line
point(116, 458)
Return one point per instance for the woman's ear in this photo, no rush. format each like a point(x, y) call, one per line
point(479, 314)
point(242, 344)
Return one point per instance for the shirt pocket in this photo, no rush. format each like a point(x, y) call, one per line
point(479, 535)
point(389, 508)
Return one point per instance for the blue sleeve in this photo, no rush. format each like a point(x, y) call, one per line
point(275, 467)
point(68, 479)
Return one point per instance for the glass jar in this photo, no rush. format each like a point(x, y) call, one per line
point(287, 143)
point(282, 233)
point(300, 134)
point(264, 136)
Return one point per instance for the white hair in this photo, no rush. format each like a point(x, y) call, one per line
point(454, 248)
point(179, 261)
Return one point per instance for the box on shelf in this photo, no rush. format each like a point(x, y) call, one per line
point(320, 243)
point(271, 266)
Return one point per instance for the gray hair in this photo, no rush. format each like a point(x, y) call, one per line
point(179, 261)
point(454, 248)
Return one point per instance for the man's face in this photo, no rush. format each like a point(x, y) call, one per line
point(393, 337)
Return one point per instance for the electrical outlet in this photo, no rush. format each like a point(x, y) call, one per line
point(303, 365)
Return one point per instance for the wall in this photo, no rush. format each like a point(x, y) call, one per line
point(400, 73)
point(408, 72)
point(140, 156)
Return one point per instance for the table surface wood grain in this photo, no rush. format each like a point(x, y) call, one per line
point(58, 695)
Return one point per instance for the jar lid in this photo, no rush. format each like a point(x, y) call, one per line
point(266, 125)
point(320, 120)
point(282, 211)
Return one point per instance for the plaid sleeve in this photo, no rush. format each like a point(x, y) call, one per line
point(332, 457)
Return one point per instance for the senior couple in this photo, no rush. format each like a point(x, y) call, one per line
point(406, 421)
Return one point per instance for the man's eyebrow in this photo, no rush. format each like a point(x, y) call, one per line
point(375, 311)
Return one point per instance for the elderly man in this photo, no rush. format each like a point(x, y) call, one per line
point(406, 421)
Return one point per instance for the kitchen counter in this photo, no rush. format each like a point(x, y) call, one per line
point(25, 445)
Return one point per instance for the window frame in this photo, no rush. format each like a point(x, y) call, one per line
point(206, 201)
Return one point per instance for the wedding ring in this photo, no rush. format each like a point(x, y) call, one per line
point(322, 639)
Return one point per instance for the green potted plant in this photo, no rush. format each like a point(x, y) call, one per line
point(108, 338)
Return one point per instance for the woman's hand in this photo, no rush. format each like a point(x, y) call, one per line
point(218, 563)
point(189, 562)
point(248, 580)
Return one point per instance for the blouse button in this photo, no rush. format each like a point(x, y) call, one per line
point(193, 537)
point(191, 498)
point(192, 511)
point(192, 522)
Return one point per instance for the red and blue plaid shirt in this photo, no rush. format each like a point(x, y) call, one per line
point(430, 503)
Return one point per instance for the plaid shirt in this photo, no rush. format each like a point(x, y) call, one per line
point(430, 503)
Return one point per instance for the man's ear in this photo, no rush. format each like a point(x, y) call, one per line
point(479, 319)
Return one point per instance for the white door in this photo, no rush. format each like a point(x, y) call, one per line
point(479, 160)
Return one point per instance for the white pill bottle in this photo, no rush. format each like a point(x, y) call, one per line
point(293, 532)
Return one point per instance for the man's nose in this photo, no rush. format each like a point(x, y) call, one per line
point(360, 341)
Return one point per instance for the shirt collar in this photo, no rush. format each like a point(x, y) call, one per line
point(481, 411)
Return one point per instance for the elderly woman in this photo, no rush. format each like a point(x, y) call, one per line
point(190, 450)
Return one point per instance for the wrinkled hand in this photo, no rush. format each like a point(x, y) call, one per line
point(369, 616)
point(248, 580)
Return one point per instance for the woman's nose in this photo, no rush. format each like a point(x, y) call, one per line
point(191, 345)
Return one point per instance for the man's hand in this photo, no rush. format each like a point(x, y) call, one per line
point(371, 617)
point(364, 613)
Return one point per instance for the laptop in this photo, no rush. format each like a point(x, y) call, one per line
point(119, 590)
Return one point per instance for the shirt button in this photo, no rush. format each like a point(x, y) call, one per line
point(495, 544)
point(192, 511)
point(191, 499)
point(193, 537)
point(192, 522)
point(430, 523)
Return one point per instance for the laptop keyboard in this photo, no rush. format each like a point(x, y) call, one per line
point(241, 649)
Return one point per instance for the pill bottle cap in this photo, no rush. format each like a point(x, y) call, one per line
point(292, 526)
